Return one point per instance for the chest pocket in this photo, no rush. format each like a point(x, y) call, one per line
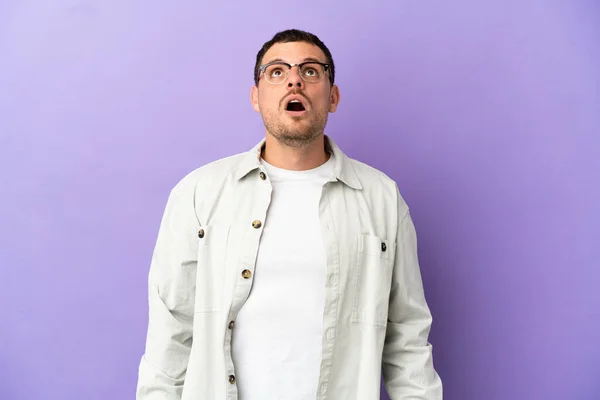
point(212, 255)
point(372, 280)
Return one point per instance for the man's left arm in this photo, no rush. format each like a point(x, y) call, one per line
point(408, 371)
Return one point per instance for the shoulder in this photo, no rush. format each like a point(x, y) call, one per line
point(378, 184)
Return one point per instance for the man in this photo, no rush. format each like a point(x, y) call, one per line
point(289, 271)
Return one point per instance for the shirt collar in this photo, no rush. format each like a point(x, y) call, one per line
point(342, 170)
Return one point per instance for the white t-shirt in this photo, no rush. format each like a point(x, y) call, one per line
point(278, 333)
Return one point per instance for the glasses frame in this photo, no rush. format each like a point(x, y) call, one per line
point(263, 69)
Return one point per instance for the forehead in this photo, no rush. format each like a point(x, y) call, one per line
point(293, 52)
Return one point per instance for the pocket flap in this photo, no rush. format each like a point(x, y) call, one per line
point(376, 246)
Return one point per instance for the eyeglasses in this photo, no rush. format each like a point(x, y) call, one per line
point(277, 72)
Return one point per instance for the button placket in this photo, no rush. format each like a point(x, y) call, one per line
point(323, 389)
point(330, 334)
point(248, 258)
point(332, 293)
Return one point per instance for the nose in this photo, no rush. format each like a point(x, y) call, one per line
point(294, 80)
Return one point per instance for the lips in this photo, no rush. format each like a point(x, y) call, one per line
point(296, 104)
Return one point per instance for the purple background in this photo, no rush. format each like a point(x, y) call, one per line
point(487, 113)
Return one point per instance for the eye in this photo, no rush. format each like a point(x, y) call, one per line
point(276, 72)
point(310, 72)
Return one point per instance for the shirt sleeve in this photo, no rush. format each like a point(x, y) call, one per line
point(171, 295)
point(408, 371)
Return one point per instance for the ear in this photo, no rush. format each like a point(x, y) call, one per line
point(334, 98)
point(254, 98)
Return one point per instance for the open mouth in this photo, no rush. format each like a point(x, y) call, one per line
point(295, 106)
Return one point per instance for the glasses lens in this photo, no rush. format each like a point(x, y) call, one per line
point(312, 72)
point(276, 73)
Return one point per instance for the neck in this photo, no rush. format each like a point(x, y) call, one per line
point(295, 158)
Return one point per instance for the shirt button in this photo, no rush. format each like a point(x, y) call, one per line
point(201, 233)
point(231, 379)
point(246, 274)
point(262, 175)
point(231, 324)
point(256, 224)
point(383, 247)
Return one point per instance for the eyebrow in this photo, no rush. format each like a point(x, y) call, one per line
point(282, 60)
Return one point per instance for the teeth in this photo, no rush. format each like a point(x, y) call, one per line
point(295, 101)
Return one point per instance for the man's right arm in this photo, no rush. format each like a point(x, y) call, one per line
point(171, 294)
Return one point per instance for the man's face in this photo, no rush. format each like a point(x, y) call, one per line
point(300, 124)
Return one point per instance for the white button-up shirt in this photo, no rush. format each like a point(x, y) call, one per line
point(375, 319)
